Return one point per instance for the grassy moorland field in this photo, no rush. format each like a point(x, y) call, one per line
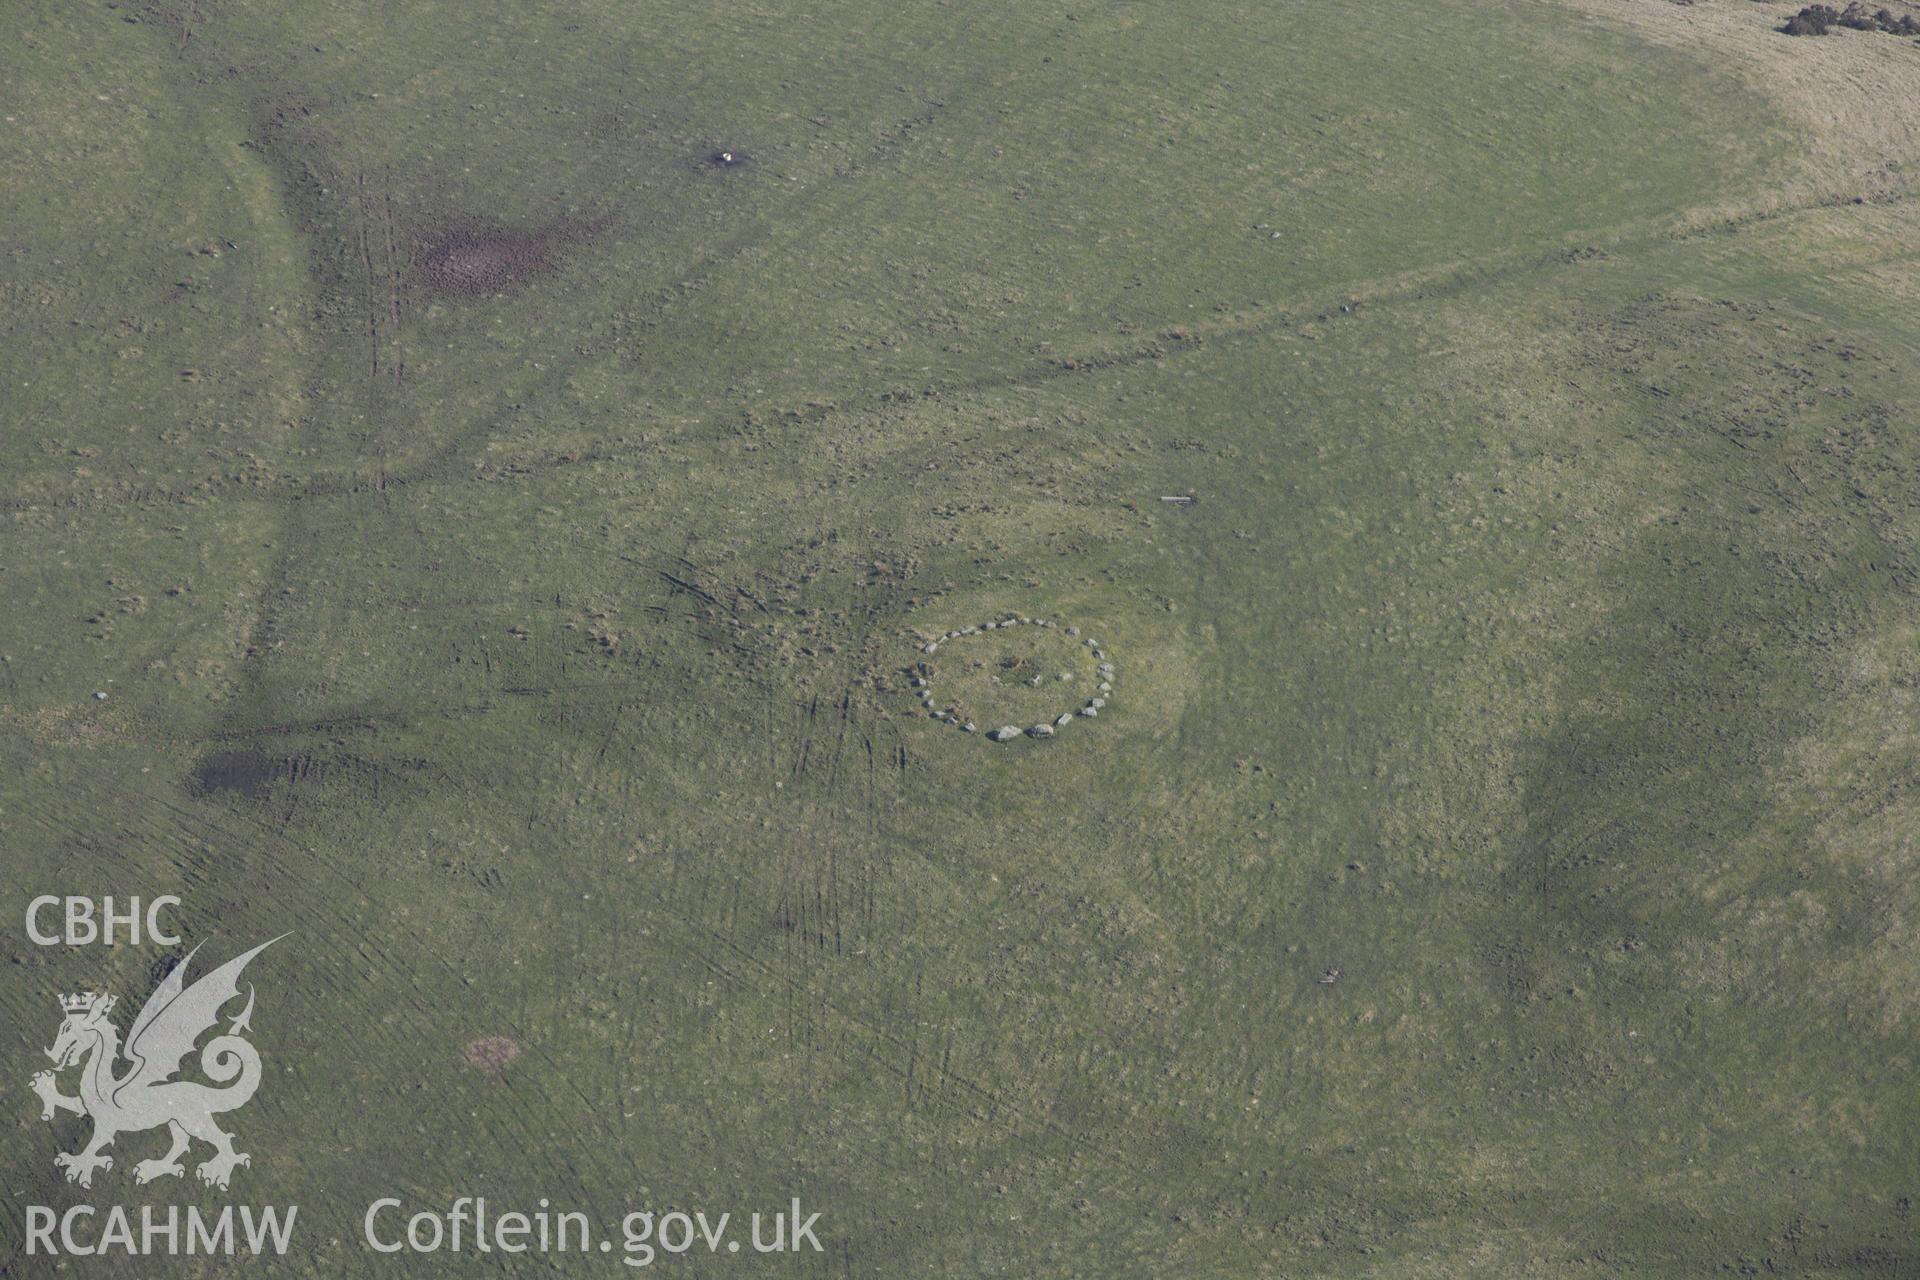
point(502, 463)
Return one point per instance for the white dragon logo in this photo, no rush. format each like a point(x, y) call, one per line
point(144, 1097)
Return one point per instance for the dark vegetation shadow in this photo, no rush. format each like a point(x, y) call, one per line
point(1821, 19)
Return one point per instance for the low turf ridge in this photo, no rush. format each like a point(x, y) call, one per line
point(506, 533)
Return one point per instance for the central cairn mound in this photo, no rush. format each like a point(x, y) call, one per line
point(1015, 670)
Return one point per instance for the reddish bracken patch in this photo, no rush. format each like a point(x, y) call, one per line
point(492, 1053)
point(486, 261)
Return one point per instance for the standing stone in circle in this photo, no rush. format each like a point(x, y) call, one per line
point(1040, 731)
point(932, 646)
point(1096, 703)
point(970, 727)
point(1073, 631)
point(1063, 717)
point(1089, 712)
point(1004, 732)
point(1105, 687)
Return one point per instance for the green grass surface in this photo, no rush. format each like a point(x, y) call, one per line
point(1541, 655)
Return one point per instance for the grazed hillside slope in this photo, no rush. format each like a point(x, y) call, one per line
point(505, 533)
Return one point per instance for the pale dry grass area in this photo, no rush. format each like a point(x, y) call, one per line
point(1855, 96)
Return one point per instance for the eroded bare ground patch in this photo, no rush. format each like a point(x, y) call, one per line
point(285, 777)
point(252, 774)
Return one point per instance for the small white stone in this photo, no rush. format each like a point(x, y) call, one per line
point(101, 696)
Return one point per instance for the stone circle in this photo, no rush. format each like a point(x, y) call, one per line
point(922, 675)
